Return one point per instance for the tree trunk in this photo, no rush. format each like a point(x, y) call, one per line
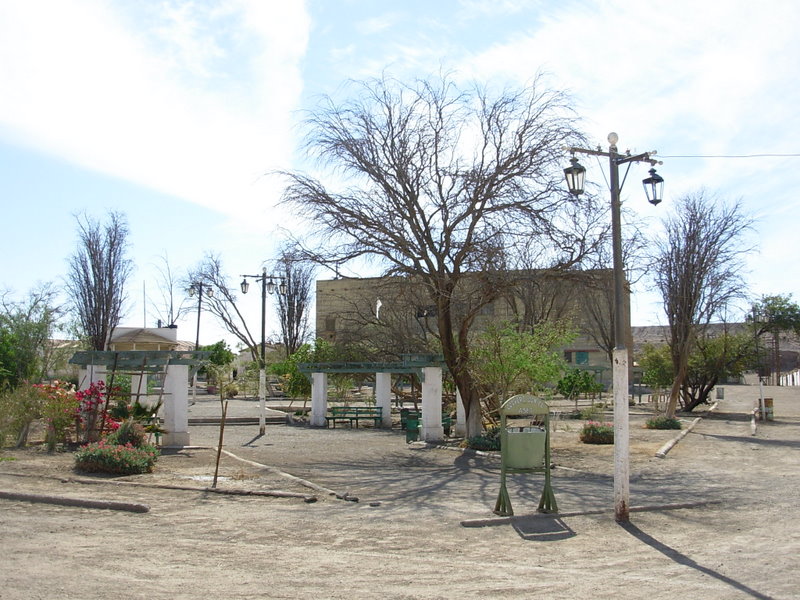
point(677, 384)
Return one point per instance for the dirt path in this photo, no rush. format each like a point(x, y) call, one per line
point(404, 538)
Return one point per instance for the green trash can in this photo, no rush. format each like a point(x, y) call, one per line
point(412, 428)
point(525, 448)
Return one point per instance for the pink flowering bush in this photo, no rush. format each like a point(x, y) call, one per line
point(91, 417)
point(594, 432)
point(106, 456)
point(122, 452)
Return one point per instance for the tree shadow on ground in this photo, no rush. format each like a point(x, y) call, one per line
point(684, 560)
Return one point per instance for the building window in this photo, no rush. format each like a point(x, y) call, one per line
point(581, 358)
point(568, 356)
point(330, 323)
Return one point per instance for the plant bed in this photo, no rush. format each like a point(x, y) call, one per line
point(662, 423)
point(594, 432)
point(117, 459)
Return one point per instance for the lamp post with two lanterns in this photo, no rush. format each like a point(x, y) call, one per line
point(268, 285)
point(199, 288)
point(653, 187)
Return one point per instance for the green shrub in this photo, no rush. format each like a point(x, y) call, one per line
point(597, 433)
point(490, 440)
point(663, 422)
point(19, 408)
point(102, 457)
point(129, 432)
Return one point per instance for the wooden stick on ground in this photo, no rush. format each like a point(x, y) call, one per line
point(219, 446)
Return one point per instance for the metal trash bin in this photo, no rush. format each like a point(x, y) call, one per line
point(525, 448)
point(412, 428)
point(769, 410)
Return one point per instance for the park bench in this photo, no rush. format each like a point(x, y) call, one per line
point(354, 414)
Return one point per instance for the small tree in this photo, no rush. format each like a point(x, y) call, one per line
point(218, 367)
point(293, 306)
point(656, 361)
point(98, 272)
point(697, 267)
point(295, 383)
point(774, 315)
point(713, 358)
point(505, 360)
point(26, 332)
point(576, 382)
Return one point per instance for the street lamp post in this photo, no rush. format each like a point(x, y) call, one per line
point(267, 286)
point(199, 288)
point(653, 186)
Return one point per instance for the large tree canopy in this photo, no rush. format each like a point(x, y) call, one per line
point(444, 181)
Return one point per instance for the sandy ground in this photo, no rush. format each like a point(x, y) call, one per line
point(405, 537)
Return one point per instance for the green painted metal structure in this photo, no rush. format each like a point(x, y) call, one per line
point(410, 363)
point(525, 448)
point(139, 360)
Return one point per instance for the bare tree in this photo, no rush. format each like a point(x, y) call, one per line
point(697, 267)
point(97, 275)
point(293, 306)
point(446, 182)
point(166, 307)
point(597, 303)
point(223, 303)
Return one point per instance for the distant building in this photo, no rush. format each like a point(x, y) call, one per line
point(396, 315)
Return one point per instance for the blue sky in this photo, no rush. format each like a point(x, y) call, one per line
point(174, 111)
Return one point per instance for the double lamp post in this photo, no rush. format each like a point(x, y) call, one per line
point(268, 286)
point(199, 288)
point(653, 186)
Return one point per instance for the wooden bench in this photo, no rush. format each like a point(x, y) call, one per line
point(354, 414)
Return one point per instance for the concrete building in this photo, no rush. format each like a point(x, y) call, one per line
point(397, 317)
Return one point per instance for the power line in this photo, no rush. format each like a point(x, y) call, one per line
point(729, 156)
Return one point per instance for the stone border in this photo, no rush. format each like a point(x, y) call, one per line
point(79, 502)
point(662, 452)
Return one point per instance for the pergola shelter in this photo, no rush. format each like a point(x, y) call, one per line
point(428, 368)
point(172, 364)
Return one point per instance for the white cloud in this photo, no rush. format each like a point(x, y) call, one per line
point(158, 97)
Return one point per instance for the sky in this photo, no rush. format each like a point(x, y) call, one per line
point(178, 112)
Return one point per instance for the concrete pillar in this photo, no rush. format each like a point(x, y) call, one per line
point(176, 406)
point(431, 427)
point(319, 399)
point(89, 375)
point(139, 388)
point(461, 417)
point(383, 397)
